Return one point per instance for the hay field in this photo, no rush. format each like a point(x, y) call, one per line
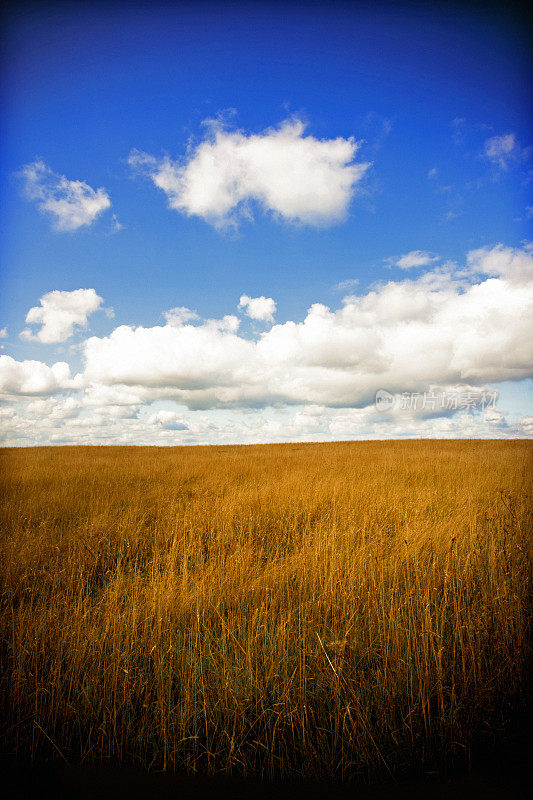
point(341, 611)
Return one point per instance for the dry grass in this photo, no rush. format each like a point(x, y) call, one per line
point(332, 610)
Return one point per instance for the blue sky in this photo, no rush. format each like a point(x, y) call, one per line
point(436, 101)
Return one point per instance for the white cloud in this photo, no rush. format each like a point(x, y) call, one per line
point(186, 359)
point(503, 150)
point(54, 410)
point(59, 313)
point(433, 173)
point(116, 225)
point(180, 316)
point(408, 335)
point(524, 426)
point(71, 204)
point(515, 264)
point(415, 258)
point(170, 420)
point(33, 377)
point(344, 286)
point(450, 329)
point(65, 421)
point(259, 308)
point(298, 178)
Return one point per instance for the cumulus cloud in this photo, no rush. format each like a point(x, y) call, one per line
point(180, 315)
point(71, 204)
point(258, 308)
point(59, 313)
point(185, 358)
point(524, 427)
point(297, 178)
point(169, 420)
point(409, 335)
point(515, 264)
point(415, 258)
point(66, 421)
point(54, 410)
point(452, 329)
point(34, 377)
point(503, 150)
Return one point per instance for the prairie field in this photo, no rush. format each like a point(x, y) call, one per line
point(322, 611)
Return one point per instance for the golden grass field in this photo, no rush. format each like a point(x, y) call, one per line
point(326, 611)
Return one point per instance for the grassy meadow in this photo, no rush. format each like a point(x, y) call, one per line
point(326, 611)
